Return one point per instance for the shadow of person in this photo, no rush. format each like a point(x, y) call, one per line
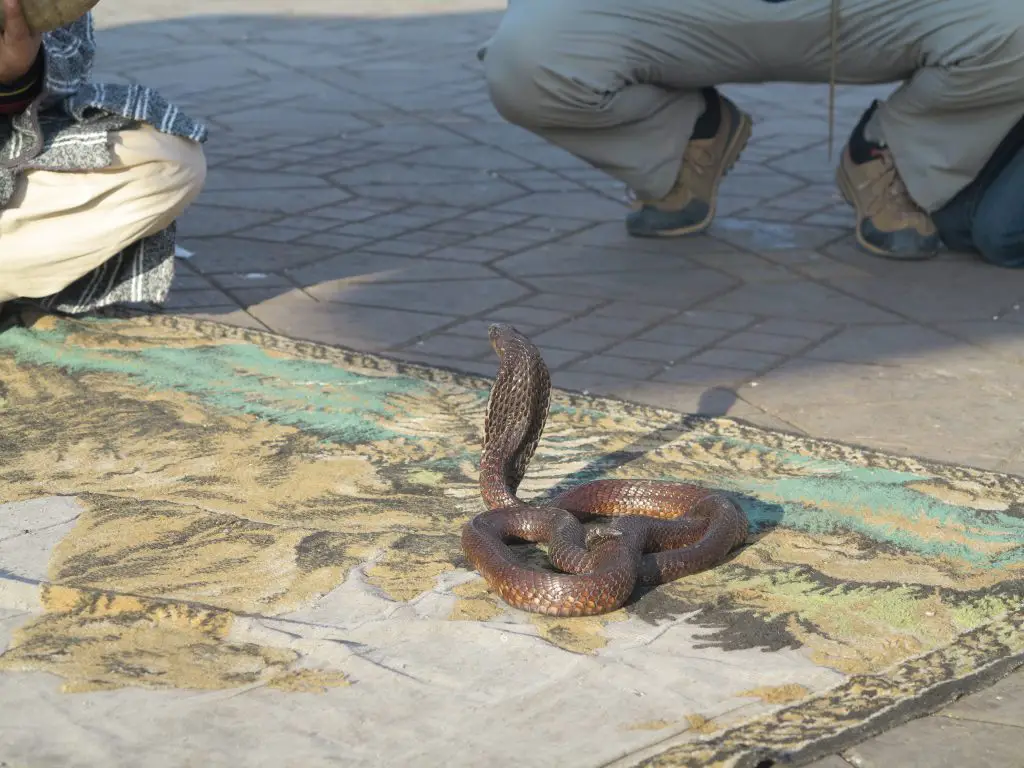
point(716, 401)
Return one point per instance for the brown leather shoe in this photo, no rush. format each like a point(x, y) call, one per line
point(689, 207)
point(889, 222)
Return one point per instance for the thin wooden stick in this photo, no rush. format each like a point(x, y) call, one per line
point(832, 76)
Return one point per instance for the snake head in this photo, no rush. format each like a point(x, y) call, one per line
point(501, 334)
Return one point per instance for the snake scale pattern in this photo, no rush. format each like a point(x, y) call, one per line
point(658, 530)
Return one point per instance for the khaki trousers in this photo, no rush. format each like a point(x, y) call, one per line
point(60, 226)
point(615, 82)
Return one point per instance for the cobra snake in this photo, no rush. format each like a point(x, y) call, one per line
point(659, 530)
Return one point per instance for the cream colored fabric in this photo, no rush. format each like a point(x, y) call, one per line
point(61, 226)
point(616, 82)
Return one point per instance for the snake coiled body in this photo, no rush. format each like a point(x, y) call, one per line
point(659, 530)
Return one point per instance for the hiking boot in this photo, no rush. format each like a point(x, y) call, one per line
point(889, 222)
point(717, 141)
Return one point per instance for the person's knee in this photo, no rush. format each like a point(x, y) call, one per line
point(195, 172)
point(514, 70)
point(999, 239)
point(528, 70)
point(185, 166)
point(166, 171)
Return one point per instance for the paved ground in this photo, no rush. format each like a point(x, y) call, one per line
point(363, 192)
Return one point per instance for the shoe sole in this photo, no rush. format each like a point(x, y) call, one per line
point(846, 189)
point(735, 148)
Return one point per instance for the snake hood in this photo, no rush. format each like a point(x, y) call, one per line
point(516, 411)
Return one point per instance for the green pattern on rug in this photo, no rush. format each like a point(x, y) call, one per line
point(229, 473)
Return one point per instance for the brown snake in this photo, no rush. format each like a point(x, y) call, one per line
point(661, 530)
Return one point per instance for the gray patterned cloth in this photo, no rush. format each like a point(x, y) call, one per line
point(67, 129)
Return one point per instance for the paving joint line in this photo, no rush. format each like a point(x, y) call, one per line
point(966, 719)
point(482, 317)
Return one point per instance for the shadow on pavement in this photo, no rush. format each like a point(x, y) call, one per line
point(364, 192)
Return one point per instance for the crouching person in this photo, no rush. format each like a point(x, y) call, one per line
point(92, 177)
point(631, 87)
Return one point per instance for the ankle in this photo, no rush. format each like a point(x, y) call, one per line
point(865, 142)
point(710, 121)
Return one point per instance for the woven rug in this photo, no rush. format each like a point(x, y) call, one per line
point(220, 547)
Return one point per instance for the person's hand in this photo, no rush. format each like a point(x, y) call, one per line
point(19, 47)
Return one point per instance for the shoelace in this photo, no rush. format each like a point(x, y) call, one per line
point(891, 187)
point(832, 75)
point(696, 160)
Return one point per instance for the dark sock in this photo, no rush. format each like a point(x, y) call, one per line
point(709, 122)
point(861, 150)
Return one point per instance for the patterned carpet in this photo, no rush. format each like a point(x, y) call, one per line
point(254, 515)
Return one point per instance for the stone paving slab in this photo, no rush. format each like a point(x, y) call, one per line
point(939, 742)
point(364, 192)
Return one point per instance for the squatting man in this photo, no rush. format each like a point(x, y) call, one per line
point(92, 177)
point(631, 87)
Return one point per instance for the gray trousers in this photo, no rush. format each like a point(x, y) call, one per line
point(616, 82)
